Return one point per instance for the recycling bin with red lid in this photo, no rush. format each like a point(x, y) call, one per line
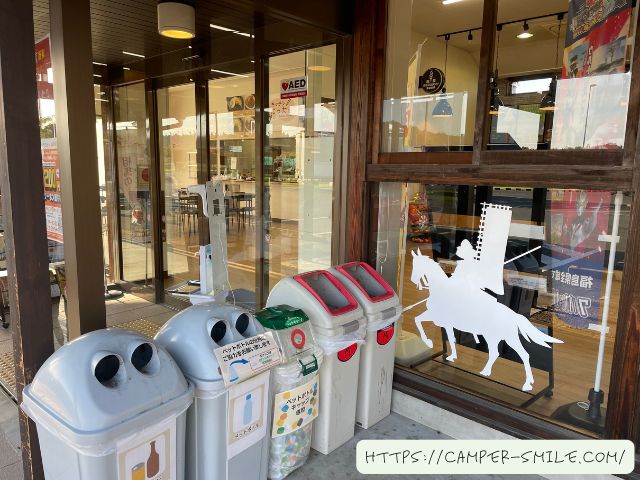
point(382, 310)
point(338, 325)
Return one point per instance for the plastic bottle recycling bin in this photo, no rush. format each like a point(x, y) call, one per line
point(294, 413)
point(382, 309)
point(110, 405)
point(191, 336)
point(338, 326)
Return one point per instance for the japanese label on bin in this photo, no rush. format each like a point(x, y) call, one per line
point(247, 410)
point(247, 358)
point(150, 455)
point(295, 408)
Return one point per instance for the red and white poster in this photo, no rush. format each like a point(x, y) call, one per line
point(43, 69)
point(52, 191)
point(48, 144)
point(596, 37)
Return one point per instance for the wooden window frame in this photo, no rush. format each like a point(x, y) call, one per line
point(586, 169)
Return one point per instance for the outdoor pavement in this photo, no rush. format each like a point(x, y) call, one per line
point(339, 465)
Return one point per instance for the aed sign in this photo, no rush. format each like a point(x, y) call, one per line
point(293, 87)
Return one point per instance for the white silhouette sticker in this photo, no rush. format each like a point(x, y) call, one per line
point(460, 302)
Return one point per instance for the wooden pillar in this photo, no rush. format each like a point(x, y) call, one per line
point(75, 125)
point(367, 84)
point(23, 211)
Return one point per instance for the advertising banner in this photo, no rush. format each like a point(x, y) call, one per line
point(596, 37)
point(578, 217)
point(43, 69)
point(52, 191)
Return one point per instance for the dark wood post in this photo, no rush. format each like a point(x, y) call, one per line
point(76, 133)
point(23, 211)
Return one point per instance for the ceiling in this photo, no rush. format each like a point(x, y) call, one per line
point(431, 17)
point(131, 25)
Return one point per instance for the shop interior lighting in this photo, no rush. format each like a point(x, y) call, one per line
point(525, 31)
point(229, 73)
point(449, 2)
point(177, 19)
point(133, 54)
point(443, 108)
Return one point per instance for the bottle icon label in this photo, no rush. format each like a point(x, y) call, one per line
point(151, 457)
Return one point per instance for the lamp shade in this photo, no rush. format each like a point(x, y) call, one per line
point(548, 103)
point(177, 19)
point(496, 102)
point(443, 108)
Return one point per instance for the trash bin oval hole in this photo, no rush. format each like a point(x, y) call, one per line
point(106, 370)
point(145, 359)
point(242, 323)
point(218, 331)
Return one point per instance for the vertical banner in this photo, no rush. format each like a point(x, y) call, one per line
point(48, 144)
point(52, 192)
point(596, 37)
point(578, 218)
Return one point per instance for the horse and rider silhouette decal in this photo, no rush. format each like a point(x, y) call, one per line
point(461, 301)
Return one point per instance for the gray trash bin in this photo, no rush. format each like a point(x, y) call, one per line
point(110, 405)
point(191, 337)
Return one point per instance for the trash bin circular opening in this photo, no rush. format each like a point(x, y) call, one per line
point(242, 323)
point(218, 331)
point(108, 369)
point(145, 358)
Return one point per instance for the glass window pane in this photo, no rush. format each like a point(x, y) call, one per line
point(432, 76)
point(587, 53)
point(232, 146)
point(133, 183)
point(540, 272)
point(299, 163)
point(178, 171)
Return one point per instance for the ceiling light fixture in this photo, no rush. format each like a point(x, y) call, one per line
point(443, 107)
point(101, 64)
point(449, 2)
point(177, 19)
point(220, 27)
point(133, 54)
point(525, 31)
point(229, 73)
point(548, 102)
point(319, 68)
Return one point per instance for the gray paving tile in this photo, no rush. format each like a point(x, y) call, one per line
point(12, 472)
point(341, 463)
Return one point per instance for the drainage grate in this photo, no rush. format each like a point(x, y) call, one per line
point(8, 372)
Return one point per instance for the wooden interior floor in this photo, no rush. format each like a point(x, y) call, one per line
point(574, 361)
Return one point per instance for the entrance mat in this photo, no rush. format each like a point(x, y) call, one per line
point(8, 373)
point(142, 326)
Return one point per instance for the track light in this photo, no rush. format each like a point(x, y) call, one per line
point(525, 31)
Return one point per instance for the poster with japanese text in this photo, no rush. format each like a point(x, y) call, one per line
point(596, 37)
point(52, 190)
point(295, 408)
point(578, 218)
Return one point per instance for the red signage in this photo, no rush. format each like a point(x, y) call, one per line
point(346, 354)
point(385, 335)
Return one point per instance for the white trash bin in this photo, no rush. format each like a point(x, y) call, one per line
point(191, 337)
point(382, 309)
point(338, 326)
point(110, 405)
point(291, 432)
